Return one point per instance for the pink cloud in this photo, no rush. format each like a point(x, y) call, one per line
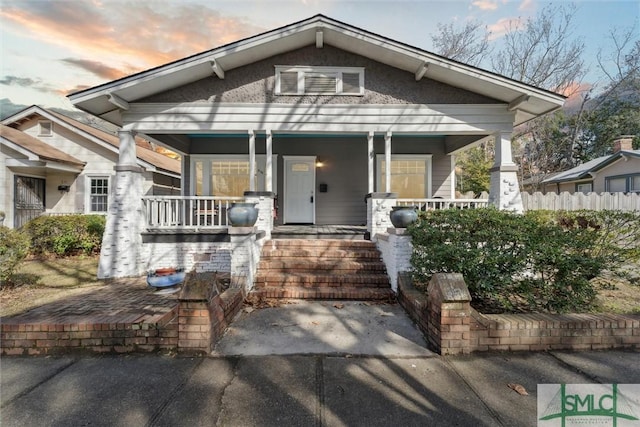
point(486, 4)
point(129, 36)
point(527, 5)
point(503, 26)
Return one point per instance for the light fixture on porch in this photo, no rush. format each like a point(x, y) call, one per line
point(319, 163)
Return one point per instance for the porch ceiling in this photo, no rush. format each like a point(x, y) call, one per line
point(106, 100)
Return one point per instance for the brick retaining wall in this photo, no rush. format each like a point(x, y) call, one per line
point(125, 337)
point(454, 327)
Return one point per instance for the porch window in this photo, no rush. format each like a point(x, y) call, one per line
point(299, 80)
point(410, 176)
point(226, 176)
point(98, 194)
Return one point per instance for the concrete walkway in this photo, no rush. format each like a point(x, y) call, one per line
point(280, 391)
point(300, 327)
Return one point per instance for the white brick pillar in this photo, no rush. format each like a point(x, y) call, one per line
point(245, 255)
point(121, 243)
point(378, 208)
point(504, 192)
point(396, 249)
point(264, 203)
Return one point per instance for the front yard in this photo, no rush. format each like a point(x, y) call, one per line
point(48, 280)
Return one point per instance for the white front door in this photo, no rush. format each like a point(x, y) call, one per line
point(299, 186)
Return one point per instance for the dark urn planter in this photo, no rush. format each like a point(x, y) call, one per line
point(242, 214)
point(403, 216)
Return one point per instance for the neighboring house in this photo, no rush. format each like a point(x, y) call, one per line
point(51, 163)
point(311, 117)
point(616, 173)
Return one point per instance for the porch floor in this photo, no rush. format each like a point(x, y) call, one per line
point(348, 232)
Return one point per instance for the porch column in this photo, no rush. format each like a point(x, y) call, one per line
point(121, 243)
point(504, 192)
point(252, 160)
point(370, 158)
point(387, 161)
point(268, 173)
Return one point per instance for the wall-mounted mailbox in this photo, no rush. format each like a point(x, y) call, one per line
point(323, 188)
point(64, 188)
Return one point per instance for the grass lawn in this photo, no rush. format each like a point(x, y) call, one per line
point(46, 280)
point(42, 281)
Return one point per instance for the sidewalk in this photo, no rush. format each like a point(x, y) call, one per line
point(315, 390)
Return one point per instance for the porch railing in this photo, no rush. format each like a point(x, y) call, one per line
point(195, 212)
point(431, 204)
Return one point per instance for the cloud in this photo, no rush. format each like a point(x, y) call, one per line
point(78, 88)
point(98, 68)
point(503, 26)
point(27, 82)
point(527, 5)
point(137, 35)
point(486, 4)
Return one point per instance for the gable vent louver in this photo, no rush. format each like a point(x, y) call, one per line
point(289, 82)
point(319, 84)
point(351, 83)
point(317, 80)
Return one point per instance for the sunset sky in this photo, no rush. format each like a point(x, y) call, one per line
point(52, 48)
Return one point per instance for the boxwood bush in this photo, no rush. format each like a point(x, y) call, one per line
point(14, 247)
point(540, 261)
point(66, 235)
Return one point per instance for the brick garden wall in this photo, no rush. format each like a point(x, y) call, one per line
point(454, 327)
point(43, 338)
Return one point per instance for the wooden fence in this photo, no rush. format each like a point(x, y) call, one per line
point(577, 201)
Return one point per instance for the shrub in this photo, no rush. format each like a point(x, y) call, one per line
point(511, 262)
point(66, 235)
point(14, 247)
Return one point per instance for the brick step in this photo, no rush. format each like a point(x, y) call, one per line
point(291, 254)
point(285, 279)
point(322, 243)
point(325, 293)
point(321, 266)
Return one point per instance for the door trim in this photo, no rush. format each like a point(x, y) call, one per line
point(286, 160)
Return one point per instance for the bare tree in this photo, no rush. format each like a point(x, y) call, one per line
point(468, 44)
point(543, 51)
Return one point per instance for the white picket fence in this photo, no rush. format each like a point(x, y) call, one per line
point(578, 201)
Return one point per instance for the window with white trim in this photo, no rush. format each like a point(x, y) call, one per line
point(45, 128)
point(584, 187)
point(227, 175)
point(98, 193)
point(410, 175)
point(300, 80)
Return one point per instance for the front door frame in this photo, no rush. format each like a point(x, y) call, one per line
point(286, 161)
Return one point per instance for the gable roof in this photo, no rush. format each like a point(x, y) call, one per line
point(35, 149)
point(584, 170)
point(106, 99)
point(146, 157)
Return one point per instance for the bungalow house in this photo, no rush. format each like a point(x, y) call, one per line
point(317, 122)
point(615, 173)
point(53, 164)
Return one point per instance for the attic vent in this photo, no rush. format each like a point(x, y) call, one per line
point(289, 82)
point(301, 80)
point(45, 128)
point(316, 83)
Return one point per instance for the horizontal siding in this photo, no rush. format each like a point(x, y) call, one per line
point(441, 176)
point(199, 117)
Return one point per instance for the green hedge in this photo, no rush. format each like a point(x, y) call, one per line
point(65, 235)
point(14, 247)
point(540, 261)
